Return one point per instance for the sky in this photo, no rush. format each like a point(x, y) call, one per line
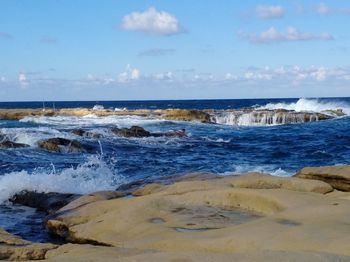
point(163, 49)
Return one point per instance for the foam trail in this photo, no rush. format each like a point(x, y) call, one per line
point(91, 176)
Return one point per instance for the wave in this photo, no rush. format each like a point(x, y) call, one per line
point(91, 176)
point(90, 120)
point(266, 169)
point(309, 105)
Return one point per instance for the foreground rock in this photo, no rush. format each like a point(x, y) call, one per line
point(337, 176)
point(62, 145)
point(249, 218)
point(15, 248)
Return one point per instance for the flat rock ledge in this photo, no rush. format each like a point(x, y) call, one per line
point(16, 249)
point(253, 217)
point(337, 176)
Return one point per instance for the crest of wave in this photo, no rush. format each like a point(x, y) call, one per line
point(91, 176)
point(309, 105)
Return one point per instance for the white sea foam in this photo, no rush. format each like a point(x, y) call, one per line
point(91, 176)
point(267, 169)
point(90, 120)
point(31, 136)
point(309, 105)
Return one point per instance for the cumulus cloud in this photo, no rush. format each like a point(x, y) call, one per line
point(129, 74)
point(5, 35)
point(291, 34)
point(23, 80)
point(269, 11)
point(157, 52)
point(164, 76)
point(152, 21)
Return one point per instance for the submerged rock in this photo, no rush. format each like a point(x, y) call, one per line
point(9, 144)
point(61, 145)
point(47, 202)
point(337, 176)
point(84, 133)
point(134, 131)
point(187, 115)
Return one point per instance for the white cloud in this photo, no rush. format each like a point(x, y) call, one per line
point(129, 74)
point(269, 11)
point(320, 74)
point(164, 76)
point(23, 81)
point(323, 9)
point(291, 34)
point(152, 21)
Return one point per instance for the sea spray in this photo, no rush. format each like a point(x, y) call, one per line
point(91, 176)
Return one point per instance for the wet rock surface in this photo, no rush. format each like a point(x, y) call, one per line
point(46, 202)
point(9, 144)
point(58, 144)
point(85, 133)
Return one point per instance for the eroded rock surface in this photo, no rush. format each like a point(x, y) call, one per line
point(337, 176)
point(231, 215)
point(16, 249)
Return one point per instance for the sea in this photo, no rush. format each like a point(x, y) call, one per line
point(226, 148)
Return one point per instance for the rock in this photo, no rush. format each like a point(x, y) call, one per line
point(337, 176)
point(214, 217)
point(58, 144)
point(9, 144)
point(134, 131)
point(148, 189)
point(264, 181)
point(187, 115)
point(47, 202)
point(93, 197)
point(15, 248)
point(84, 133)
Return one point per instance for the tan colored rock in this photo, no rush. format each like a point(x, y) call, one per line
point(16, 249)
point(148, 189)
point(93, 197)
point(84, 253)
point(187, 115)
point(211, 216)
point(337, 176)
point(264, 181)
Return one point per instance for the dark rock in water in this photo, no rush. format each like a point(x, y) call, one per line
point(58, 144)
point(47, 202)
point(9, 144)
point(84, 133)
point(134, 131)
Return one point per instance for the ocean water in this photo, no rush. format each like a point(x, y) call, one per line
point(229, 147)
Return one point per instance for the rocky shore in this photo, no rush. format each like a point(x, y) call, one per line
point(234, 116)
point(252, 217)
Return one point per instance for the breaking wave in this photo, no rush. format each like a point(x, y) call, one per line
point(309, 105)
point(91, 176)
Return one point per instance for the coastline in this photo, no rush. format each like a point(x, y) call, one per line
point(253, 217)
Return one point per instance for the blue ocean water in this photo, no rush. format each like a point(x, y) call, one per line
point(219, 148)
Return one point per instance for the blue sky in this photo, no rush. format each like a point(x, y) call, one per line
point(130, 50)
